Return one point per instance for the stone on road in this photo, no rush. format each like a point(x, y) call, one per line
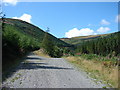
point(40, 72)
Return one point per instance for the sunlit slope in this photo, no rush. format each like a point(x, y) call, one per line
point(78, 40)
point(32, 30)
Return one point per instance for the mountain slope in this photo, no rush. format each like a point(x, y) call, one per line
point(31, 30)
point(20, 37)
point(78, 40)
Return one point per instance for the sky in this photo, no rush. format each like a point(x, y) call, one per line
point(67, 19)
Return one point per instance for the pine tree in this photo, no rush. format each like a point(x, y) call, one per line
point(47, 44)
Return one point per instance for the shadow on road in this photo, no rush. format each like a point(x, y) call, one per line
point(33, 64)
point(40, 66)
point(32, 58)
point(36, 63)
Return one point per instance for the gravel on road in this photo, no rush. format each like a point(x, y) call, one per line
point(40, 72)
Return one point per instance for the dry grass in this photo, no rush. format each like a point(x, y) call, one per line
point(97, 70)
point(40, 53)
point(90, 36)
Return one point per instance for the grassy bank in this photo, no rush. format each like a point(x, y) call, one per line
point(100, 68)
point(40, 53)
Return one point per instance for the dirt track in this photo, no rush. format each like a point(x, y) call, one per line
point(40, 72)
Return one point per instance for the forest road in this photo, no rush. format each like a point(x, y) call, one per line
point(40, 72)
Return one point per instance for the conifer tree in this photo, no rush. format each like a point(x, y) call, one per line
point(47, 44)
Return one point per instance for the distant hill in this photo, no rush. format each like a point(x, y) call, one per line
point(104, 44)
point(78, 40)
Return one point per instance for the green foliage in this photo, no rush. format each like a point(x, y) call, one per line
point(20, 37)
point(89, 56)
point(79, 40)
point(102, 46)
point(15, 44)
point(58, 52)
point(15, 38)
point(33, 31)
point(48, 45)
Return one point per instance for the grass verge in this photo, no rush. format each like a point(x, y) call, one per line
point(40, 53)
point(97, 69)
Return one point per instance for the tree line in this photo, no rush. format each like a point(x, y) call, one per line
point(101, 46)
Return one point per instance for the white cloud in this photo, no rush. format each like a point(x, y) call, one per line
point(117, 19)
point(12, 2)
point(103, 29)
point(104, 22)
point(76, 32)
point(85, 31)
point(24, 17)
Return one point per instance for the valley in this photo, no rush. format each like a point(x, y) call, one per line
point(20, 39)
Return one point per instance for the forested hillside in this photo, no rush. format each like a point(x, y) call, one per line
point(102, 46)
point(20, 37)
point(31, 30)
point(80, 39)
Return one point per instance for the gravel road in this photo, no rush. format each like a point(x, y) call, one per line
point(40, 72)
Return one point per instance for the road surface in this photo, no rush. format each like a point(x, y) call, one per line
point(41, 72)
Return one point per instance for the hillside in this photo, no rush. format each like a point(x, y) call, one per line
point(31, 30)
point(80, 39)
point(19, 38)
point(104, 44)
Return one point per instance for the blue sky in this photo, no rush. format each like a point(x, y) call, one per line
point(67, 19)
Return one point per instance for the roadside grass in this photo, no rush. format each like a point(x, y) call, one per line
point(17, 77)
point(103, 70)
point(14, 79)
point(40, 53)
